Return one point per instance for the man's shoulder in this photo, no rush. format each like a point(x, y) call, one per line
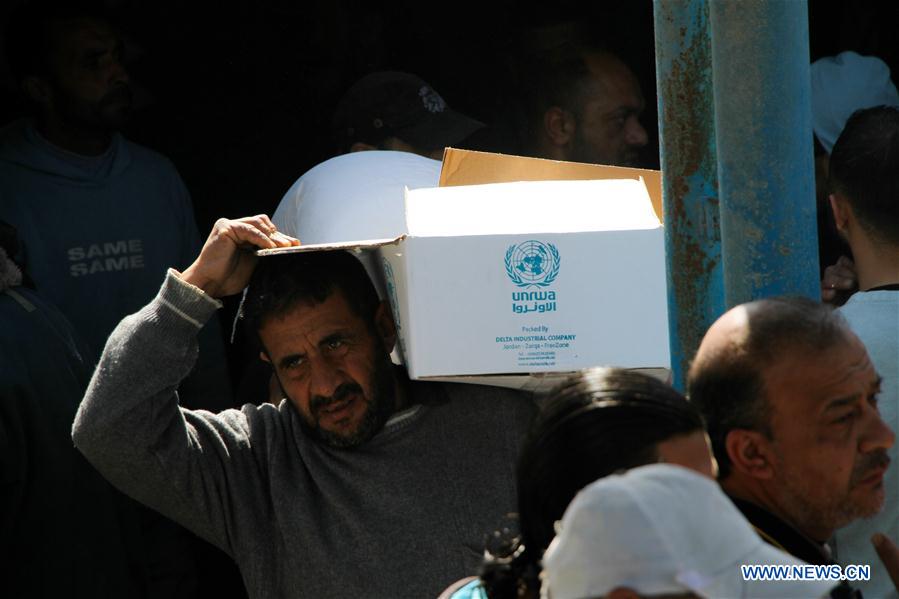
point(143, 155)
point(862, 300)
point(12, 132)
point(871, 312)
point(781, 534)
point(487, 404)
point(255, 426)
point(476, 392)
point(13, 142)
point(31, 311)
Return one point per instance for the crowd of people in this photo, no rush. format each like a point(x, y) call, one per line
point(133, 467)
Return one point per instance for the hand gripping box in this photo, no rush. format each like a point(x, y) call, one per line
point(529, 277)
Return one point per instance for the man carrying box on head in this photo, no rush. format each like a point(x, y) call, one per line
point(360, 483)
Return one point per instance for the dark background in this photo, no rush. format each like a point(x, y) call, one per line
point(240, 95)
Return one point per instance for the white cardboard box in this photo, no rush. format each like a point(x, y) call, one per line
point(531, 277)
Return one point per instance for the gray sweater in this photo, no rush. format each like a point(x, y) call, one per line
point(404, 515)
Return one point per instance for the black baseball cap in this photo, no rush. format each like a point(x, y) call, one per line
point(395, 104)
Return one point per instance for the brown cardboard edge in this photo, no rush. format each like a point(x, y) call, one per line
point(363, 244)
point(453, 158)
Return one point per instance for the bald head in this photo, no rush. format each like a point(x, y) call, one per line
point(726, 380)
point(726, 339)
point(789, 395)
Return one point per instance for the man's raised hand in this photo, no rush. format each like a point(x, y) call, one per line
point(840, 280)
point(227, 259)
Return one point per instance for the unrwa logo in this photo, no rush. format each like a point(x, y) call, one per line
point(532, 263)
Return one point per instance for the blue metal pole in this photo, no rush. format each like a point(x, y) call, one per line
point(689, 175)
point(761, 79)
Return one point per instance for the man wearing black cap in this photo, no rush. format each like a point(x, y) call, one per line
point(390, 110)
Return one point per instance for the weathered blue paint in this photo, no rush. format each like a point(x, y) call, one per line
point(690, 178)
point(760, 58)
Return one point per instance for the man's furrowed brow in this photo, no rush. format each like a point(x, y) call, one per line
point(842, 402)
point(625, 111)
point(335, 336)
point(338, 339)
point(290, 359)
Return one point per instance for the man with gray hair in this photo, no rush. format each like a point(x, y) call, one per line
point(789, 395)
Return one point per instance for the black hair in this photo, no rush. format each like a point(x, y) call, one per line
point(29, 36)
point(561, 76)
point(558, 77)
point(596, 423)
point(728, 386)
point(551, 70)
point(9, 243)
point(864, 168)
point(281, 282)
point(818, 146)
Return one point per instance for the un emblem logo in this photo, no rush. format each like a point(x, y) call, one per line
point(532, 263)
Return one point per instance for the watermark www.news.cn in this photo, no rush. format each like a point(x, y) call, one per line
point(806, 572)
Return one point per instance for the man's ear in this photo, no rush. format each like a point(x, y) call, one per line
point(359, 146)
point(842, 212)
point(385, 326)
point(264, 357)
point(750, 453)
point(559, 126)
point(37, 90)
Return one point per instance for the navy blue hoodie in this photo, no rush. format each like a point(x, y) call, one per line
point(98, 234)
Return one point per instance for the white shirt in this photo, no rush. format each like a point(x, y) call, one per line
point(353, 197)
point(874, 317)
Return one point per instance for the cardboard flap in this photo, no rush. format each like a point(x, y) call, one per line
point(362, 245)
point(530, 207)
point(466, 167)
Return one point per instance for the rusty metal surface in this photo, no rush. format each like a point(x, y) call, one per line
point(689, 168)
point(764, 144)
